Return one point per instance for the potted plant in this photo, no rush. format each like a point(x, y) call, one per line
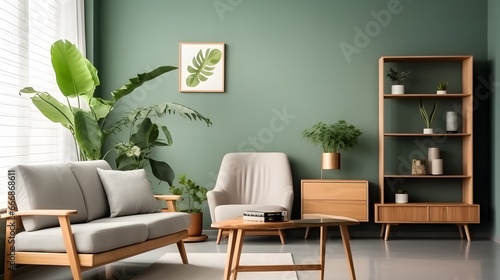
point(427, 117)
point(192, 198)
point(332, 138)
point(87, 116)
point(442, 87)
point(397, 77)
point(401, 196)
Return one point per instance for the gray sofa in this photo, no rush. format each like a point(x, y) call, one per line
point(84, 215)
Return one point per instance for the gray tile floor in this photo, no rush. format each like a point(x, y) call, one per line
point(397, 259)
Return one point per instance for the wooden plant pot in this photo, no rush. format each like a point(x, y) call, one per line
point(330, 161)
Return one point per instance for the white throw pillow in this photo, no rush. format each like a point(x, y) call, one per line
point(128, 192)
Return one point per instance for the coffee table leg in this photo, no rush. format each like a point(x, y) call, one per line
point(230, 251)
point(347, 246)
point(237, 253)
point(322, 250)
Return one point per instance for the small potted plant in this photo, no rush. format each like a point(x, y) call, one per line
point(401, 196)
point(442, 87)
point(397, 77)
point(192, 198)
point(427, 117)
point(332, 138)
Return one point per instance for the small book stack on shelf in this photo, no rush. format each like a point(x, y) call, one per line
point(265, 216)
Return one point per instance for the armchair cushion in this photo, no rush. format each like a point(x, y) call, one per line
point(128, 192)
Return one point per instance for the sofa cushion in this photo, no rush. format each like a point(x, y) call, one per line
point(93, 192)
point(47, 187)
point(89, 237)
point(159, 224)
point(128, 192)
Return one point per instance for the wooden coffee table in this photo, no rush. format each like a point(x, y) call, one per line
point(237, 228)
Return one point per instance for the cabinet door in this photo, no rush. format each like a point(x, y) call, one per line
point(402, 214)
point(352, 209)
point(457, 214)
point(336, 191)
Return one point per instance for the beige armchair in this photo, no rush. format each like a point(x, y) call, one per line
point(251, 181)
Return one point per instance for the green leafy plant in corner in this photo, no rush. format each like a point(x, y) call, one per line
point(86, 116)
point(397, 77)
point(333, 137)
point(427, 117)
point(192, 195)
point(442, 85)
point(203, 66)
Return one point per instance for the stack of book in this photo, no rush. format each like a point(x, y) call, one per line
point(265, 216)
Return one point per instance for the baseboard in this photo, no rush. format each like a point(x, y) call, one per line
point(495, 239)
point(313, 232)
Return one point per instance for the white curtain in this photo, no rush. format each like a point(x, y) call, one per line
point(28, 28)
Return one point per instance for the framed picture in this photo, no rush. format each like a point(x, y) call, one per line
point(201, 67)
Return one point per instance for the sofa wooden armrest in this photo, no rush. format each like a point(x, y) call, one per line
point(40, 212)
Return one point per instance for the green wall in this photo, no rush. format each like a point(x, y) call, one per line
point(289, 64)
point(493, 58)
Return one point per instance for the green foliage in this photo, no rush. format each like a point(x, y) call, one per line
point(203, 66)
point(427, 118)
point(398, 77)
point(442, 85)
point(77, 80)
point(192, 195)
point(401, 191)
point(333, 137)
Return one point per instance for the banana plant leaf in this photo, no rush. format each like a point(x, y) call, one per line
point(75, 75)
point(139, 80)
point(51, 108)
point(88, 134)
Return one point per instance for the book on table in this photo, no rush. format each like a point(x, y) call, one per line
point(265, 216)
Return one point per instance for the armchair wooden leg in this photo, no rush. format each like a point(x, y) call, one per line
point(219, 236)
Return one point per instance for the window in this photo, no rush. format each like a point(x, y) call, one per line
point(27, 30)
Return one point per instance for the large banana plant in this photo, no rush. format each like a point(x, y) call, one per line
point(77, 80)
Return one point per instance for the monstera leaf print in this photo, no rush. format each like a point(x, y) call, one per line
point(203, 66)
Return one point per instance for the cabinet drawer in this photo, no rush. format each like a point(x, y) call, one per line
point(336, 191)
point(402, 214)
point(469, 214)
point(352, 209)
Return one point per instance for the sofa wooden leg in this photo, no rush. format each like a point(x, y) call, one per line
point(182, 251)
point(69, 243)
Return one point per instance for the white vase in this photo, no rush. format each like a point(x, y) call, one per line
point(432, 154)
point(441, 92)
point(398, 89)
point(428, 131)
point(437, 166)
point(401, 198)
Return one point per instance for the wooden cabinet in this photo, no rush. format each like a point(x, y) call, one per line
point(348, 198)
point(401, 139)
